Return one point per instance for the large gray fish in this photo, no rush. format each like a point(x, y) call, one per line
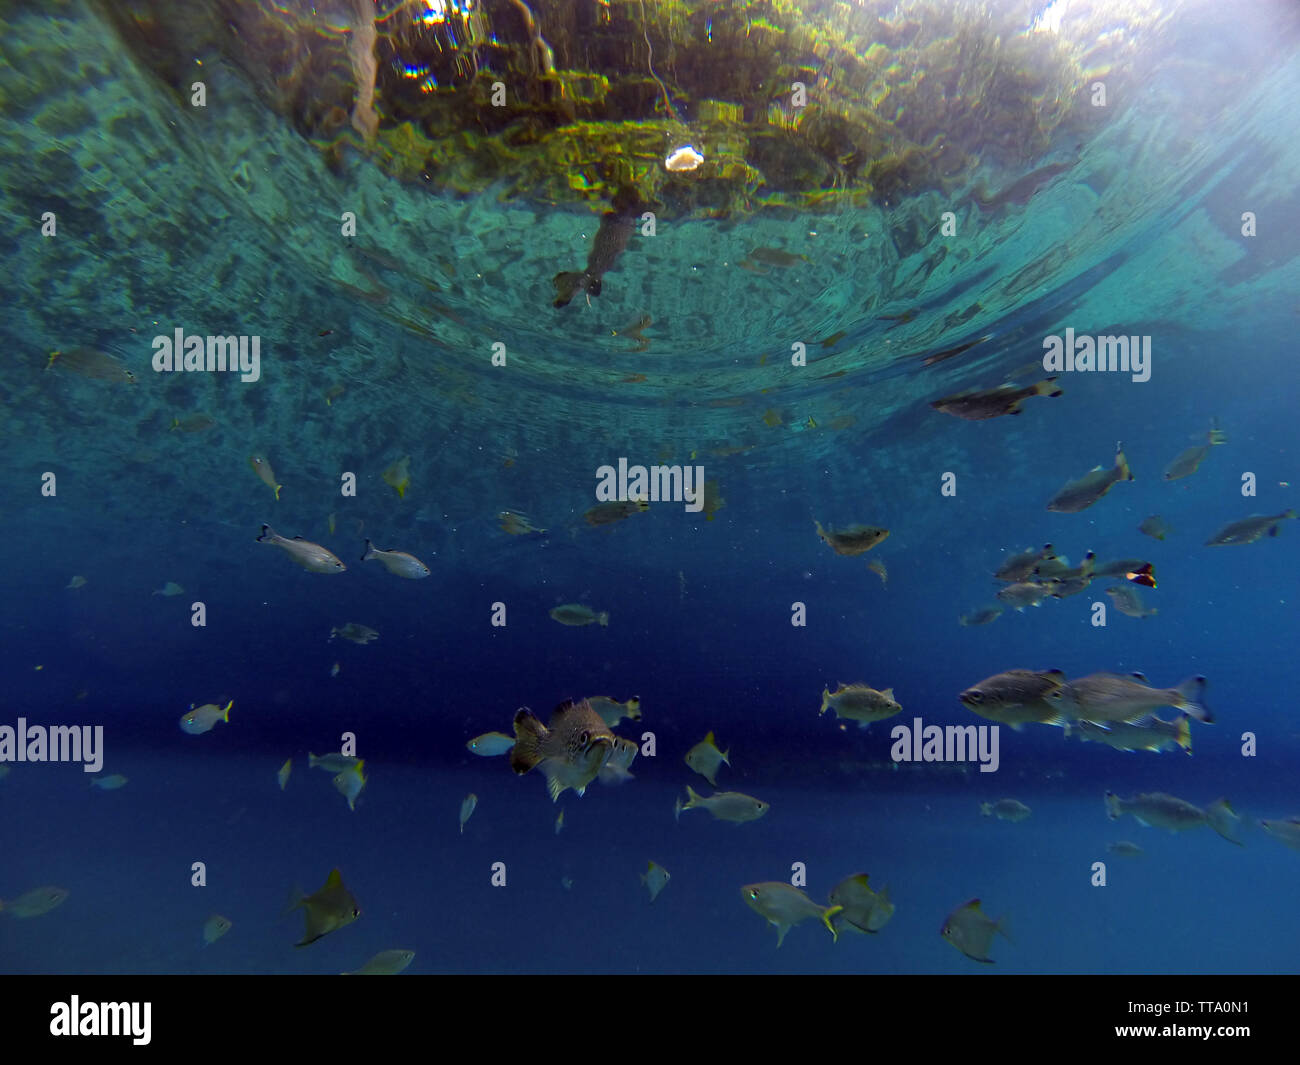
point(570, 750)
point(1107, 697)
point(1022, 696)
point(993, 402)
point(328, 910)
point(1248, 530)
point(612, 237)
point(1177, 815)
point(309, 556)
point(1082, 493)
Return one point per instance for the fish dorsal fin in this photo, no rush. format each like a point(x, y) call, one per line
point(1055, 673)
point(974, 904)
point(710, 740)
point(1139, 676)
point(888, 693)
point(334, 880)
point(860, 878)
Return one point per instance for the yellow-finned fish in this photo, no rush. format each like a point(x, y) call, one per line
point(398, 476)
point(328, 910)
point(785, 906)
point(262, 467)
point(312, 557)
point(971, 931)
point(706, 759)
point(349, 783)
point(863, 910)
point(201, 719)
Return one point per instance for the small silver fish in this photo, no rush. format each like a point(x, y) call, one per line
point(466, 808)
point(723, 805)
point(491, 744)
point(398, 563)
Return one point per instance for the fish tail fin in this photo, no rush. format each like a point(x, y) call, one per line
point(1184, 736)
point(1288, 513)
point(175, 425)
point(369, 551)
point(693, 799)
point(1221, 816)
point(677, 808)
point(1088, 564)
point(225, 714)
point(311, 760)
point(277, 492)
point(529, 733)
point(826, 701)
point(267, 534)
point(827, 914)
point(986, 809)
point(1048, 387)
point(1113, 810)
point(1121, 463)
point(1192, 691)
point(602, 619)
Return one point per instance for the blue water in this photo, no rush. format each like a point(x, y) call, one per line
point(157, 235)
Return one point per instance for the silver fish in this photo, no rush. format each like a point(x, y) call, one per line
point(311, 557)
point(398, 563)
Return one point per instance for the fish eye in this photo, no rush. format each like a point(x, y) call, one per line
point(975, 696)
point(584, 738)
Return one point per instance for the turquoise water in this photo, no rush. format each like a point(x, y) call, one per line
point(225, 221)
